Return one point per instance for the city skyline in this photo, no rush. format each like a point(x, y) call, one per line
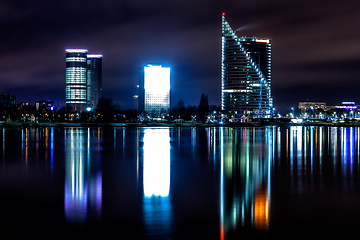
point(315, 49)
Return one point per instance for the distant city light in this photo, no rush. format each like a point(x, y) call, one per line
point(94, 56)
point(347, 107)
point(294, 120)
point(348, 103)
point(262, 40)
point(76, 50)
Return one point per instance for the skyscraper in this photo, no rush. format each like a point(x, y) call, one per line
point(75, 93)
point(246, 74)
point(154, 90)
point(83, 79)
point(94, 79)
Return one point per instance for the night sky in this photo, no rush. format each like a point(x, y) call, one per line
point(315, 46)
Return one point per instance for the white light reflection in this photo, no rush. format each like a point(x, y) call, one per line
point(156, 182)
point(156, 162)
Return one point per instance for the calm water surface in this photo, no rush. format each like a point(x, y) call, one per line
point(180, 183)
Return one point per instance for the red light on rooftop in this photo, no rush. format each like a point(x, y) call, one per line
point(223, 14)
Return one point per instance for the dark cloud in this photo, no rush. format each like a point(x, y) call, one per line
point(314, 45)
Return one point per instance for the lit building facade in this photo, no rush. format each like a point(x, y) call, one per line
point(154, 90)
point(246, 74)
point(347, 110)
point(83, 79)
point(94, 79)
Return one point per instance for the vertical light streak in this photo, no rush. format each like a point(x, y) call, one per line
point(222, 234)
point(3, 131)
point(334, 133)
point(193, 139)
point(320, 144)
point(208, 133)
point(99, 136)
point(26, 146)
point(52, 149)
point(123, 138)
point(46, 142)
point(115, 138)
point(291, 149)
point(22, 141)
point(88, 146)
point(306, 141)
point(358, 145)
point(343, 149)
point(287, 144)
point(138, 152)
point(311, 148)
point(351, 143)
point(279, 143)
point(214, 147)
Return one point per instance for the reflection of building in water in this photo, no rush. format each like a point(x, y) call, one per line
point(83, 185)
point(156, 182)
point(246, 155)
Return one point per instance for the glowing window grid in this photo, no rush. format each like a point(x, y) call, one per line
point(157, 88)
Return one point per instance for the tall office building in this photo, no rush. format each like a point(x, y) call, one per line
point(94, 79)
point(246, 74)
point(83, 79)
point(154, 90)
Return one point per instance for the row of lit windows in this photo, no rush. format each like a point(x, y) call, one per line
point(78, 81)
point(73, 74)
point(75, 59)
point(76, 69)
point(75, 86)
point(163, 101)
point(77, 97)
point(160, 98)
point(80, 102)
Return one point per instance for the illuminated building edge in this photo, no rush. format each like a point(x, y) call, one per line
point(245, 75)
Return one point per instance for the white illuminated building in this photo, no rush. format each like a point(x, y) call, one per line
point(154, 95)
point(76, 64)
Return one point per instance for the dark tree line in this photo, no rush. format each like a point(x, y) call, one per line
point(198, 113)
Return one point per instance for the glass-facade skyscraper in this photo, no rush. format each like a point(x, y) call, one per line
point(83, 79)
point(94, 79)
point(154, 90)
point(246, 74)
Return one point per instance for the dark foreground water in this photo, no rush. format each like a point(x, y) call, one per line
point(180, 183)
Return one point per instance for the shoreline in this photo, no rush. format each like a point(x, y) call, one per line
point(248, 124)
